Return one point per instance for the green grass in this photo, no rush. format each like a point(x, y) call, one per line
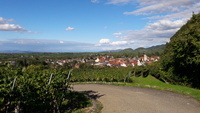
point(152, 82)
point(100, 107)
point(77, 111)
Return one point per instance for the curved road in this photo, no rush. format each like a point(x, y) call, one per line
point(123, 99)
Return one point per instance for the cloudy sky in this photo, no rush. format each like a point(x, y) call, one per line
point(90, 25)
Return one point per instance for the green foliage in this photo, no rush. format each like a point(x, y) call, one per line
point(151, 51)
point(29, 86)
point(33, 88)
point(96, 73)
point(181, 58)
point(156, 71)
point(77, 100)
point(140, 71)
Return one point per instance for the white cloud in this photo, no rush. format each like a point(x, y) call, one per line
point(119, 1)
point(121, 42)
point(166, 16)
point(104, 41)
point(153, 34)
point(95, 1)
point(149, 7)
point(148, 34)
point(4, 21)
point(166, 24)
point(114, 44)
point(12, 27)
point(6, 26)
point(184, 14)
point(118, 43)
point(69, 29)
point(61, 42)
point(119, 33)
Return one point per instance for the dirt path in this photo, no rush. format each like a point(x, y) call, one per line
point(122, 99)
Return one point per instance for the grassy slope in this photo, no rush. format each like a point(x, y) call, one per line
point(152, 82)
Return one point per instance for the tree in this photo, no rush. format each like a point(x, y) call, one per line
point(181, 58)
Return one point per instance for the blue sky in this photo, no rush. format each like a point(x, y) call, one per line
point(90, 25)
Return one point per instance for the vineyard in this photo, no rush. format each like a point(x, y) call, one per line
point(46, 88)
point(105, 74)
point(42, 88)
point(36, 89)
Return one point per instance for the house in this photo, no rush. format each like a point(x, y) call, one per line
point(83, 61)
point(134, 64)
point(60, 62)
point(100, 64)
point(145, 58)
point(141, 58)
point(156, 58)
point(97, 59)
point(109, 64)
point(123, 65)
point(139, 63)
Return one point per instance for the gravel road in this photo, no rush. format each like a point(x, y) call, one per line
point(123, 99)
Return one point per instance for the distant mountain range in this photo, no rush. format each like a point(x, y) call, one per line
point(16, 51)
point(153, 49)
point(158, 48)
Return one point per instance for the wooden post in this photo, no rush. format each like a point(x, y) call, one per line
point(50, 78)
point(13, 84)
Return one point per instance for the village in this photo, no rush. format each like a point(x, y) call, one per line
point(102, 61)
point(109, 61)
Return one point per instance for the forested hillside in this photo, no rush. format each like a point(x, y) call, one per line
point(151, 51)
point(181, 59)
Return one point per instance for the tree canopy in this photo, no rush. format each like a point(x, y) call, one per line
point(181, 58)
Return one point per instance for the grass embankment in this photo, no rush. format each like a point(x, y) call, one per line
point(152, 82)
